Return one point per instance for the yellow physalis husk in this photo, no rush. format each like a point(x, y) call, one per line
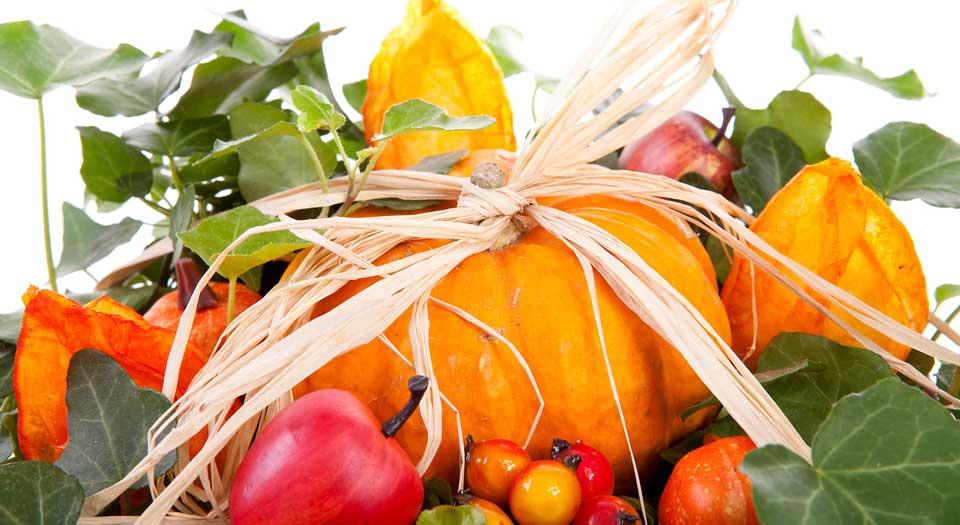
point(662, 58)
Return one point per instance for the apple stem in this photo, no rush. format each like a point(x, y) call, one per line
point(728, 113)
point(417, 386)
point(187, 277)
point(572, 462)
point(559, 445)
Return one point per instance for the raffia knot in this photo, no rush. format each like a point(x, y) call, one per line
point(493, 202)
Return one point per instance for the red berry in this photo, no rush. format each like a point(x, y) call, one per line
point(546, 493)
point(605, 510)
point(594, 473)
point(492, 466)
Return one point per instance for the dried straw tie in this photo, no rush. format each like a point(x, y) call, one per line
point(665, 58)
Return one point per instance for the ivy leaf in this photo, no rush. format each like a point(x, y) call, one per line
point(180, 217)
point(355, 93)
point(905, 160)
point(887, 455)
point(203, 174)
point(249, 44)
point(179, 138)
point(113, 170)
point(436, 492)
point(400, 204)
point(9, 441)
point(416, 114)
point(945, 292)
point(315, 109)
point(764, 378)
point(440, 163)
point(719, 257)
point(109, 97)
point(273, 157)
point(770, 160)
point(39, 493)
point(798, 115)
point(905, 85)
point(108, 416)
point(807, 396)
point(213, 235)
point(36, 59)
point(450, 515)
point(10, 327)
point(86, 241)
point(503, 42)
point(696, 180)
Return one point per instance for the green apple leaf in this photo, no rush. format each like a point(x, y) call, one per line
point(36, 59)
point(770, 160)
point(887, 455)
point(450, 515)
point(316, 111)
point(108, 416)
point(355, 93)
point(38, 493)
point(179, 138)
point(86, 241)
point(111, 97)
point(905, 160)
point(416, 114)
point(807, 43)
point(503, 42)
point(209, 238)
point(112, 169)
point(945, 292)
point(798, 115)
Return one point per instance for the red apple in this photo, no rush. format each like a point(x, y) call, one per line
point(685, 143)
point(326, 460)
point(594, 472)
point(605, 510)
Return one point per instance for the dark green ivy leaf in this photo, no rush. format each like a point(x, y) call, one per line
point(888, 455)
point(35, 59)
point(798, 115)
point(38, 493)
point(110, 97)
point(417, 114)
point(696, 180)
point(86, 241)
point(450, 515)
point(770, 160)
point(113, 170)
point(905, 160)
point(436, 492)
point(905, 85)
point(440, 163)
point(179, 138)
point(503, 42)
point(108, 416)
point(355, 93)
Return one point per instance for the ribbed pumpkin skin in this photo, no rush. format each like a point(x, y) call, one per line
point(534, 293)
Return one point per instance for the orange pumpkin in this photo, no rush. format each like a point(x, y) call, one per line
point(828, 221)
point(534, 293)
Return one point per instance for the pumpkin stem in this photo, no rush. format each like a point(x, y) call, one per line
point(559, 445)
point(463, 497)
point(488, 176)
point(417, 386)
point(624, 518)
point(187, 277)
point(572, 462)
point(727, 116)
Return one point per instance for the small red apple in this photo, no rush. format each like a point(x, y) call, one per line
point(594, 472)
point(685, 143)
point(325, 460)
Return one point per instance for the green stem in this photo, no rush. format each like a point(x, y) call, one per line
point(154, 206)
point(90, 275)
point(231, 298)
point(356, 185)
point(726, 90)
point(317, 165)
point(947, 320)
point(174, 174)
point(44, 203)
point(802, 82)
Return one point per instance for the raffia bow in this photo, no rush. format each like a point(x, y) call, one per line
point(664, 57)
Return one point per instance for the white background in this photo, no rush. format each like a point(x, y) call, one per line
point(754, 54)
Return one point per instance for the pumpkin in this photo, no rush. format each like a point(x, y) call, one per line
point(828, 221)
point(534, 293)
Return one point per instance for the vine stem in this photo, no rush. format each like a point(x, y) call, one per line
point(44, 202)
point(231, 298)
point(726, 90)
point(947, 320)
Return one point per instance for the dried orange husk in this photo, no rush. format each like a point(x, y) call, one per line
point(828, 221)
point(433, 55)
point(54, 328)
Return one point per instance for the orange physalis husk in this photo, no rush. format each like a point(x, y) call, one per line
point(433, 55)
point(54, 328)
point(828, 221)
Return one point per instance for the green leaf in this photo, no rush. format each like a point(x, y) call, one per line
point(249, 44)
point(180, 217)
point(764, 378)
point(7, 354)
point(36, 59)
point(904, 161)
point(179, 138)
point(719, 257)
point(834, 371)
point(905, 85)
point(110, 97)
point(416, 114)
point(113, 170)
point(315, 109)
point(355, 93)
point(681, 448)
point(213, 235)
point(108, 416)
point(10, 327)
point(798, 115)
point(203, 173)
point(440, 163)
point(9, 440)
point(450, 515)
point(696, 180)
point(887, 455)
point(436, 492)
point(921, 361)
point(400, 204)
point(503, 42)
point(770, 160)
point(86, 241)
point(38, 493)
point(945, 292)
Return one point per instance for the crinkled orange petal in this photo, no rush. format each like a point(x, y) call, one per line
point(829, 222)
point(54, 328)
point(433, 55)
